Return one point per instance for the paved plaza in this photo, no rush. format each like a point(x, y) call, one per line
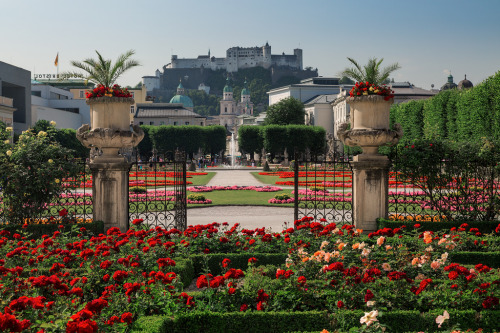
point(249, 217)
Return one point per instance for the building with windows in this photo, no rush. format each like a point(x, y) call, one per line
point(157, 114)
point(53, 103)
point(231, 109)
point(306, 90)
point(241, 57)
point(15, 97)
point(405, 92)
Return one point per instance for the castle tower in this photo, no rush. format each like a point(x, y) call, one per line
point(266, 51)
point(298, 54)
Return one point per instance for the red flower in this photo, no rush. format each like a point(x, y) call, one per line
point(63, 212)
point(369, 295)
point(231, 291)
point(252, 260)
point(137, 221)
point(126, 318)
point(301, 280)
point(226, 262)
point(340, 304)
point(243, 307)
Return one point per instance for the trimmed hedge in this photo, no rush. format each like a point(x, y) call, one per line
point(38, 230)
point(484, 227)
point(184, 268)
point(258, 322)
point(238, 260)
point(343, 320)
point(491, 259)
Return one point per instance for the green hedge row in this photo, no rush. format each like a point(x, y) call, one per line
point(491, 259)
point(484, 227)
point(38, 230)
point(184, 268)
point(453, 114)
point(397, 321)
point(238, 260)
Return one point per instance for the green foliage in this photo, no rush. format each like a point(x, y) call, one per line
point(36, 231)
point(204, 104)
point(66, 137)
point(196, 197)
point(250, 139)
point(469, 167)
point(214, 139)
point(32, 172)
point(138, 189)
point(275, 138)
point(371, 72)
point(317, 140)
point(468, 115)
point(103, 71)
point(282, 196)
point(285, 112)
point(145, 147)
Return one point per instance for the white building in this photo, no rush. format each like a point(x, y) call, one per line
point(341, 111)
point(306, 89)
point(230, 109)
point(151, 82)
point(319, 112)
point(51, 103)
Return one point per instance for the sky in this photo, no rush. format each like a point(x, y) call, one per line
point(428, 38)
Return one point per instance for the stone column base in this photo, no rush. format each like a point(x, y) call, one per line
point(110, 192)
point(370, 192)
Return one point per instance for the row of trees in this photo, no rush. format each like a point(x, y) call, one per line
point(457, 115)
point(276, 138)
point(168, 138)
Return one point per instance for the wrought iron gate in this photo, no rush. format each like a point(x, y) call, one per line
point(323, 188)
point(157, 191)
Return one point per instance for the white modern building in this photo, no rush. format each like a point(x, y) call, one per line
point(15, 98)
point(52, 103)
point(319, 112)
point(306, 90)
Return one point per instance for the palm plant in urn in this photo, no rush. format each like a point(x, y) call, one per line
point(110, 127)
point(370, 102)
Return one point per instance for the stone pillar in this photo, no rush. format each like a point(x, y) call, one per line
point(110, 193)
point(370, 192)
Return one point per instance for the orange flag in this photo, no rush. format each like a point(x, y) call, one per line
point(57, 60)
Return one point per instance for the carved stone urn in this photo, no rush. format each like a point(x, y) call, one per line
point(110, 129)
point(369, 126)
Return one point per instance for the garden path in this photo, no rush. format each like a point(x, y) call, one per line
point(249, 217)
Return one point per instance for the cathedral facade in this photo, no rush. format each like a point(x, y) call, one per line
point(231, 109)
point(241, 57)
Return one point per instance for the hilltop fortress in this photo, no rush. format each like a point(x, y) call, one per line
point(241, 57)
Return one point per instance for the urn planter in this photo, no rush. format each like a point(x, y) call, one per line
point(110, 112)
point(369, 112)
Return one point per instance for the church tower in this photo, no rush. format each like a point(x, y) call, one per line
point(227, 106)
point(245, 106)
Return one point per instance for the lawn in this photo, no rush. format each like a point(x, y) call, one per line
point(243, 198)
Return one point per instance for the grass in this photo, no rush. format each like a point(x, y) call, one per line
point(241, 198)
point(271, 180)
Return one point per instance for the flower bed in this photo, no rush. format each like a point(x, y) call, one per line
point(234, 188)
point(79, 282)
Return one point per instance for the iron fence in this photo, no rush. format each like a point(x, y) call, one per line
point(157, 191)
point(454, 192)
point(323, 188)
point(74, 204)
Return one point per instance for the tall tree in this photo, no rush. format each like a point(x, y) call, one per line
point(371, 72)
point(286, 112)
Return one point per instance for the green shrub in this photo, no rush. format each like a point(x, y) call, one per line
point(138, 189)
point(196, 197)
point(282, 196)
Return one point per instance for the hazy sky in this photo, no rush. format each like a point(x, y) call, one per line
point(427, 37)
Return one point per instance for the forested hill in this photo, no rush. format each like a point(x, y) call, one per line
point(259, 81)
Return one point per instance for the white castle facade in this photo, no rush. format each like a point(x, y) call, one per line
point(241, 57)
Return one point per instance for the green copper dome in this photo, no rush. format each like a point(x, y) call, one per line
point(184, 100)
point(228, 88)
point(245, 90)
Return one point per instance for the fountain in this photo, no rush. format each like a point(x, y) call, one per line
point(232, 149)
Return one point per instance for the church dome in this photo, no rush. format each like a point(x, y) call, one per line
point(184, 100)
point(227, 87)
point(245, 90)
point(450, 84)
point(465, 84)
